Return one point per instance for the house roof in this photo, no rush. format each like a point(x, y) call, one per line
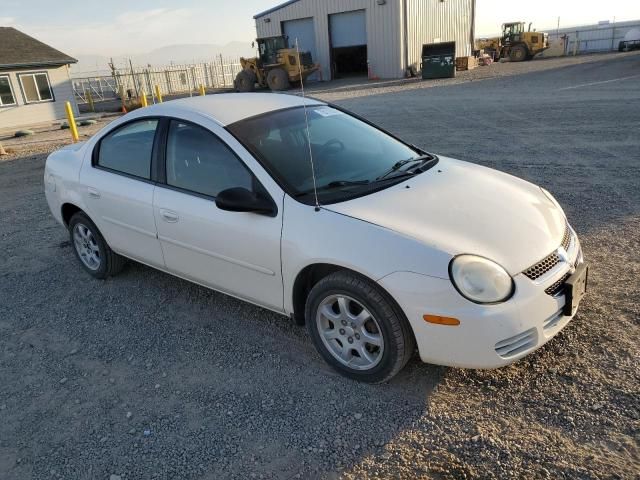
point(273, 9)
point(18, 49)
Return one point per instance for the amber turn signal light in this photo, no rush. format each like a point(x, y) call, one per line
point(441, 320)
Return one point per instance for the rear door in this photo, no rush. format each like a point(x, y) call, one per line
point(235, 252)
point(118, 190)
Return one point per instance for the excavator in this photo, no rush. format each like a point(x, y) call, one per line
point(515, 43)
point(276, 66)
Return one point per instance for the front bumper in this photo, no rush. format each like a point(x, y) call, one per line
point(488, 336)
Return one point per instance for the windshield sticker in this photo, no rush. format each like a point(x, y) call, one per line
point(327, 112)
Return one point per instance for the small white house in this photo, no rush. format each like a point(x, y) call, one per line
point(374, 38)
point(34, 80)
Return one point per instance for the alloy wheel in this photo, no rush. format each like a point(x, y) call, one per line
point(86, 246)
point(350, 332)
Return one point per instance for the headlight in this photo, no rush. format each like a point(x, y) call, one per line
point(480, 280)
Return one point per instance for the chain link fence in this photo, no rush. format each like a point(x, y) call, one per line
point(171, 80)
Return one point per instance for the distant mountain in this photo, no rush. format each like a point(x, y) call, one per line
point(176, 54)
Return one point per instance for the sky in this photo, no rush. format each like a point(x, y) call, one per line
point(125, 27)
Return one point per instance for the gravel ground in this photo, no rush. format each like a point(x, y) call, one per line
point(147, 376)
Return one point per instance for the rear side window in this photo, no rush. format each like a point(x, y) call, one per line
point(200, 162)
point(128, 149)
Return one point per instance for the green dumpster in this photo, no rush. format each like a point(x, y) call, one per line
point(438, 60)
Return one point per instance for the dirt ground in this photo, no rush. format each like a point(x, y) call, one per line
point(148, 376)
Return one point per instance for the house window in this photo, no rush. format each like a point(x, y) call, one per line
point(6, 92)
point(36, 87)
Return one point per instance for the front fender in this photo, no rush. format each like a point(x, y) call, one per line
point(311, 236)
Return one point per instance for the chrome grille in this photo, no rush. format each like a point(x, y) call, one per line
point(543, 266)
point(566, 239)
point(557, 287)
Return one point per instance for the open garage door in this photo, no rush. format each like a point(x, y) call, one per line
point(348, 35)
point(304, 31)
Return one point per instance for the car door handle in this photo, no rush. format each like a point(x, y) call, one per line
point(169, 216)
point(93, 193)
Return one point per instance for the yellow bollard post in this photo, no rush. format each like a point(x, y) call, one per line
point(72, 122)
point(202, 92)
point(158, 94)
point(143, 99)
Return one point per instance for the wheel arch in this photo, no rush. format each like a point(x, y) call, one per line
point(68, 210)
point(311, 274)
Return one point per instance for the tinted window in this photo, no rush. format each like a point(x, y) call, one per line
point(6, 94)
point(198, 161)
point(128, 149)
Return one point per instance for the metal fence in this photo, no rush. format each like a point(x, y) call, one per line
point(593, 38)
point(171, 80)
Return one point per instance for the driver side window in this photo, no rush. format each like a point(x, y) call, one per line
point(200, 162)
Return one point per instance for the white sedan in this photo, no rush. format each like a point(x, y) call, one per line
point(310, 211)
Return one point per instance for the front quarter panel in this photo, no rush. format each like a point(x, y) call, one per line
point(313, 236)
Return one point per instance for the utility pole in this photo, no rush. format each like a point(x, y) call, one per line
point(133, 78)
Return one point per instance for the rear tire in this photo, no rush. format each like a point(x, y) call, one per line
point(278, 80)
point(357, 328)
point(518, 53)
point(91, 249)
point(245, 81)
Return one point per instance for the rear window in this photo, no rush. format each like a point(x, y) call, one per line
point(128, 149)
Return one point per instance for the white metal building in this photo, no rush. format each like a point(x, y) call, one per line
point(604, 36)
point(379, 38)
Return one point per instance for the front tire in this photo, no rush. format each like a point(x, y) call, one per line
point(278, 80)
point(245, 81)
point(357, 328)
point(518, 53)
point(91, 249)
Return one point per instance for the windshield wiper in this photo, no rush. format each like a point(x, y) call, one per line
point(401, 163)
point(336, 184)
point(342, 183)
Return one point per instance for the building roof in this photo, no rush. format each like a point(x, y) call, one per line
point(18, 49)
point(228, 108)
point(273, 9)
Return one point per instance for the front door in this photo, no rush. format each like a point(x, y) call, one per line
point(237, 253)
point(118, 192)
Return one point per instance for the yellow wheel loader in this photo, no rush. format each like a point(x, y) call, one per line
point(515, 43)
point(276, 66)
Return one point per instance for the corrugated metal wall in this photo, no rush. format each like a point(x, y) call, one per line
point(594, 38)
point(384, 37)
point(444, 21)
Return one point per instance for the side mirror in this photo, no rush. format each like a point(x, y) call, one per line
point(240, 199)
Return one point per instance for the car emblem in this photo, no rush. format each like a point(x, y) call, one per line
point(564, 257)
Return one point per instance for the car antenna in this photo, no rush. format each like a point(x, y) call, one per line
point(306, 121)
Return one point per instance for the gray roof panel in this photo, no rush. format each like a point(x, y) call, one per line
point(18, 49)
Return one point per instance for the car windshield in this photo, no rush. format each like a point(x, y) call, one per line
point(350, 157)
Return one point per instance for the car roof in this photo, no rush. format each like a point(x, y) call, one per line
point(228, 108)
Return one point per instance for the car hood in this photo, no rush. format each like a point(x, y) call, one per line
point(459, 207)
